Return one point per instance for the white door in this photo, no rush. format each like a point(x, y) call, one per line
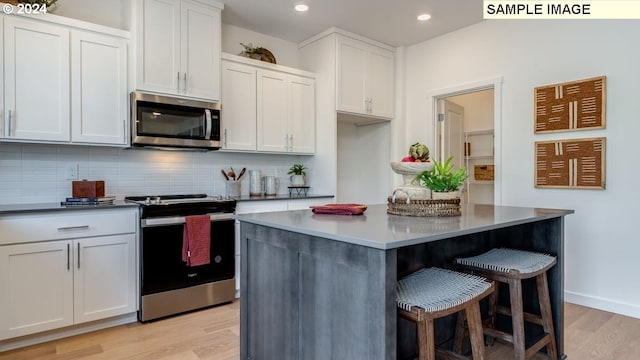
point(273, 105)
point(351, 92)
point(200, 55)
point(452, 133)
point(302, 124)
point(238, 114)
point(36, 288)
point(380, 82)
point(2, 113)
point(36, 74)
point(158, 64)
point(104, 279)
point(99, 91)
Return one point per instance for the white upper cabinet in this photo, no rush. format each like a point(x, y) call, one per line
point(99, 88)
point(301, 126)
point(365, 78)
point(178, 47)
point(273, 111)
point(36, 80)
point(239, 109)
point(65, 81)
point(267, 107)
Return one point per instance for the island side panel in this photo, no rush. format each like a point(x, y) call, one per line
point(340, 297)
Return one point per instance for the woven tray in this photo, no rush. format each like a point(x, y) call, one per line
point(483, 172)
point(448, 207)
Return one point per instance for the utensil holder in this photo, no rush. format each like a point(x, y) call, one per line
point(233, 188)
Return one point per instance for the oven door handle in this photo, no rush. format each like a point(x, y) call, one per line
point(176, 220)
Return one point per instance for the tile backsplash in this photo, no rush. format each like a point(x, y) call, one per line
point(34, 173)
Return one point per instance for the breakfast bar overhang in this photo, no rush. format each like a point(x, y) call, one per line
point(324, 286)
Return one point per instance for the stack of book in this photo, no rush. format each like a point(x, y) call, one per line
point(86, 201)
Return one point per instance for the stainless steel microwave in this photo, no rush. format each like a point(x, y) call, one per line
point(172, 122)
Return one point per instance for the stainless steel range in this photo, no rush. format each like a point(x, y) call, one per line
point(168, 285)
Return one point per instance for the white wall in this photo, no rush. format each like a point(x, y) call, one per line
point(31, 173)
point(602, 246)
point(113, 13)
point(364, 170)
point(478, 109)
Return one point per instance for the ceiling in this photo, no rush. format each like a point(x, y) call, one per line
point(392, 22)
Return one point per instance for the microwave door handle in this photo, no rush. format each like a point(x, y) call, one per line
point(207, 115)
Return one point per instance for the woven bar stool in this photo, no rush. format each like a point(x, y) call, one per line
point(511, 267)
point(432, 293)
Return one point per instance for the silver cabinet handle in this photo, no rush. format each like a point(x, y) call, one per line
point(178, 82)
point(9, 127)
point(291, 142)
point(78, 255)
point(66, 228)
point(68, 256)
point(225, 138)
point(185, 82)
point(124, 131)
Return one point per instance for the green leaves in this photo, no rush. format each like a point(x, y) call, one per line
point(442, 178)
point(297, 169)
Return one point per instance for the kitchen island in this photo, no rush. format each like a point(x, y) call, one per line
point(324, 286)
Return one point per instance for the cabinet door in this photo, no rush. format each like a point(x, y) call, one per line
point(36, 75)
point(99, 89)
point(351, 92)
point(380, 82)
point(36, 287)
point(239, 110)
point(302, 124)
point(104, 279)
point(2, 114)
point(273, 105)
point(200, 54)
point(158, 63)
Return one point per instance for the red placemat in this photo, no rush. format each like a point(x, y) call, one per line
point(339, 209)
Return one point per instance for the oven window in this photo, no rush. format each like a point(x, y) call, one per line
point(162, 265)
point(167, 120)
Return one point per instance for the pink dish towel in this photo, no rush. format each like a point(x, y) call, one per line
point(196, 240)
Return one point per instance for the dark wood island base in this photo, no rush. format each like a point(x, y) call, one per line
point(324, 286)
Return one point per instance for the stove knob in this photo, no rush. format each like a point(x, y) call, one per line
point(158, 200)
point(147, 201)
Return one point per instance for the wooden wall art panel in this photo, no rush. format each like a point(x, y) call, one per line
point(576, 105)
point(575, 163)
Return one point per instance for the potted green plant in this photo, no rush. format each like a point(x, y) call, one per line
point(442, 180)
point(298, 173)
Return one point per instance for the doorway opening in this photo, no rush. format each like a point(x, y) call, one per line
point(467, 126)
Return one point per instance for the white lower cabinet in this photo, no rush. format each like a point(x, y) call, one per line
point(37, 288)
point(49, 283)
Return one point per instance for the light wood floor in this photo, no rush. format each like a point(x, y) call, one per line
point(213, 334)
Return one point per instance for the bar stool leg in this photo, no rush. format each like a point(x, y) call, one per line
point(545, 311)
point(517, 318)
point(491, 312)
point(458, 339)
point(474, 320)
point(426, 340)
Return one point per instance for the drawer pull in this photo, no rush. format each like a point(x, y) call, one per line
point(65, 228)
point(68, 256)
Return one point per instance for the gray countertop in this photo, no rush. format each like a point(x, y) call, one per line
point(377, 229)
point(55, 206)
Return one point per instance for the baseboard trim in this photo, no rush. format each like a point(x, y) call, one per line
point(604, 304)
point(38, 338)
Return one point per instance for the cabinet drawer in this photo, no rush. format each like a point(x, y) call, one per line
point(66, 225)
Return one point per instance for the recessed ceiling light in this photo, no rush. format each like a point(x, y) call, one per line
point(424, 17)
point(301, 7)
